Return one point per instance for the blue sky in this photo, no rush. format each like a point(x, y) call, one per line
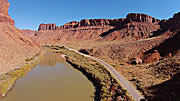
point(28, 14)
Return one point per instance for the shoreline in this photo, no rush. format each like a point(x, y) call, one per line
point(107, 88)
point(7, 80)
point(90, 78)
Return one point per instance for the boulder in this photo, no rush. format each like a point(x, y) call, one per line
point(152, 57)
point(137, 61)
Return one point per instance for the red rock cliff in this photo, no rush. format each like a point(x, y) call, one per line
point(141, 18)
point(172, 23)
point(4, 16)
point(102, 22)
point(47, 27)
point(83, 23)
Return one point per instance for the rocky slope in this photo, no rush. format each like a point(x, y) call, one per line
point(14, 46)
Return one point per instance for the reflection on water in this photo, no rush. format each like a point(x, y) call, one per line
point(52, 80)
point(51, 59)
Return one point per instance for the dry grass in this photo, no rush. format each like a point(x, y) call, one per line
point(145, 76)
point(7, 80)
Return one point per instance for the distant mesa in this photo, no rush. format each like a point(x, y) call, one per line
point(137, 17)
point(172, 23)
point(82, 23)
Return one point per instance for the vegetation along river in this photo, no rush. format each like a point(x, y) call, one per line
point(52, 80)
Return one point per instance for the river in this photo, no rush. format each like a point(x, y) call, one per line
point(52, 80)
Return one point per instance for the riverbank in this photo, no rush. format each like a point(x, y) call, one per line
point(107, 88)
point(8, 79)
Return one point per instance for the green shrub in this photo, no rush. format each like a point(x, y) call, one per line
point(29, 59)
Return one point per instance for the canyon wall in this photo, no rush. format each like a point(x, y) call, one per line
point(134, 26)
point(101, 22)
point(14, 46)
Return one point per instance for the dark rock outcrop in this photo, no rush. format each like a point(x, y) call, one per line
point(152, 57)
point(47, 27)
point(172, 23)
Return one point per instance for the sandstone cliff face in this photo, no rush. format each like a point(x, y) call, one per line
point(83, 23)
point(47, 27)
point(4, 16)
point(135, 26)
point(132, 17)
point(4, 7)
point(69, 35)
point(141, 18)
point(14, 46)
point(72, 24)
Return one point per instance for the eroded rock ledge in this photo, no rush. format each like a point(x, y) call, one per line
point(102, 22)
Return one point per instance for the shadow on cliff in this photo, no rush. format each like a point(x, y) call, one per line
point(158, 33)
point(108, 32)
point(167, 91)
point(171, 45)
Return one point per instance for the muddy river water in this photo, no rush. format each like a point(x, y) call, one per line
point(52, 80)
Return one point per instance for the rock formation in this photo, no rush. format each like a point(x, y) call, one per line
point(102, 22)
point(137, 17)
point(4, 16)
point(15, 47)
point(134, 25)
point(47, 27)
point(172, 23)
point(152, 57)
point(82, 23)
